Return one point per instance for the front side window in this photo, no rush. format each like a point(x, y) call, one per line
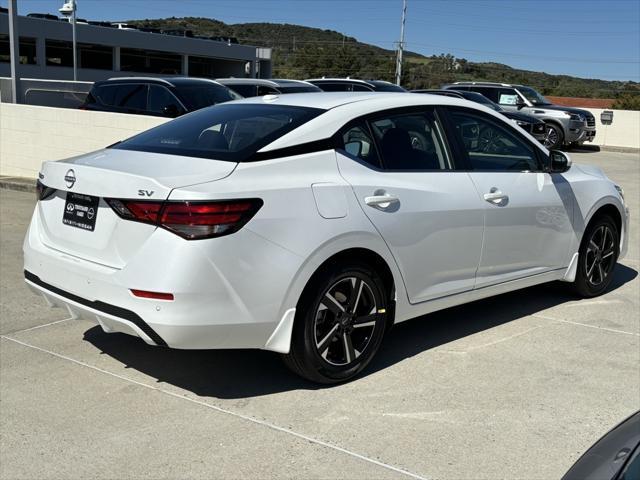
point(357, 142)
point(411, 142)
point(232, 132)
point(160, 99)
point(491, 146)
point(507, 96)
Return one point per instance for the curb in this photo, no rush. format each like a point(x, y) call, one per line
point(18, 184)
point(603, 148)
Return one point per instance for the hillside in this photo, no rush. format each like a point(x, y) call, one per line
point(304, 52)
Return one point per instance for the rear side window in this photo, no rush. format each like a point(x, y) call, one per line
point(131, 96)
point(244, 89)
point(232, 132)
point(411, 142)
point(264, 90)
point(357, 142)
point(335, 87)
point(490, 93)
point(196, 97)
point(105, 94)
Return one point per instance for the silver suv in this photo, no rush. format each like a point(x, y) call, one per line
point(565, 125)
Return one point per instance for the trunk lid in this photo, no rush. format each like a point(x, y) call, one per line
point(76, 219)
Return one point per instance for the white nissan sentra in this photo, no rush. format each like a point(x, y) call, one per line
point(308, 224)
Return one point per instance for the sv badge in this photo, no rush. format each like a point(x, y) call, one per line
point(145, 193)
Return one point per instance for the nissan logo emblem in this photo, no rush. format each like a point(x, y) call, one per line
point(70, 178)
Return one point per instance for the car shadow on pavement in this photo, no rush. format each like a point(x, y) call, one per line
point(236, 374)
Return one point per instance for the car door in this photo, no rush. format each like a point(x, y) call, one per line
point(401, 171)
point(527, 211)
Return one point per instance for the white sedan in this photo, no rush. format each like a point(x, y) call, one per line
point(308, 224)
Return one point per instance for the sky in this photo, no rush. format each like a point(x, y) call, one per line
point(584, 38)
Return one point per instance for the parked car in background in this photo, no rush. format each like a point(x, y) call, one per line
point(530, 124)
point(354, 85)
point(163, 97)
point(309, 224)
point(565, 125)
point(255, 87)
point(616, 456)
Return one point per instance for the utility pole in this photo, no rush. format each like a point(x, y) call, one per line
point(14, 48)
point(401, 44)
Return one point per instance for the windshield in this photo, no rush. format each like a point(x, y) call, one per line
point(232, 132)
point(200, 96)
point(533, 96)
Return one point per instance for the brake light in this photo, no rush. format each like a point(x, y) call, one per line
point(190, 220)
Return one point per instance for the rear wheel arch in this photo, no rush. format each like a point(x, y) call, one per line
point(360, 255)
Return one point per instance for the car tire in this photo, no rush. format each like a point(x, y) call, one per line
point(553, 137)
point(597, 257)
point(340, 322)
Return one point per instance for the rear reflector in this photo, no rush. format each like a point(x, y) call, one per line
point(190, 220)
point(153, 295)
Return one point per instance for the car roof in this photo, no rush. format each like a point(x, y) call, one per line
point(485, 84)
point(171, 81)
point(271, 82)
point(342, 107)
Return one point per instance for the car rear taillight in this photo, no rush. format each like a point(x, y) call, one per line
point(191, 220)
point(42, 191)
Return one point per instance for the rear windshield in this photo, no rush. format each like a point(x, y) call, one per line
point(232, 132)
point(200, 96)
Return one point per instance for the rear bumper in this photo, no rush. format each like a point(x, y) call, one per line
point(221, 299)
point(110, 317)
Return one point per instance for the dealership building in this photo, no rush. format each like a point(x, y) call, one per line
point(45, 51)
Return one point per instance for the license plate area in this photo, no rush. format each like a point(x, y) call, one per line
point(80, 211)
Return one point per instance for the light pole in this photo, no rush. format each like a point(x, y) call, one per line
point(69, 10)
point(401, 44)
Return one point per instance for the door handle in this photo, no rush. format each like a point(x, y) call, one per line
point(381, 201)
point(495, 196)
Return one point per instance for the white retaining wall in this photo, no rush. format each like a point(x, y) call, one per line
point(30, 135)
point(623, 132)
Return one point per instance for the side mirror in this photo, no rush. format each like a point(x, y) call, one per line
point(520, 104)
point(171, 110)
point(560, 162)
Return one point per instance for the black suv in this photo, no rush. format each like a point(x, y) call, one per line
point(532, 125)
point(162, 97)
point(354, 85)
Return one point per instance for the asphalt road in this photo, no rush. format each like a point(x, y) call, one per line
point(513, 387)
